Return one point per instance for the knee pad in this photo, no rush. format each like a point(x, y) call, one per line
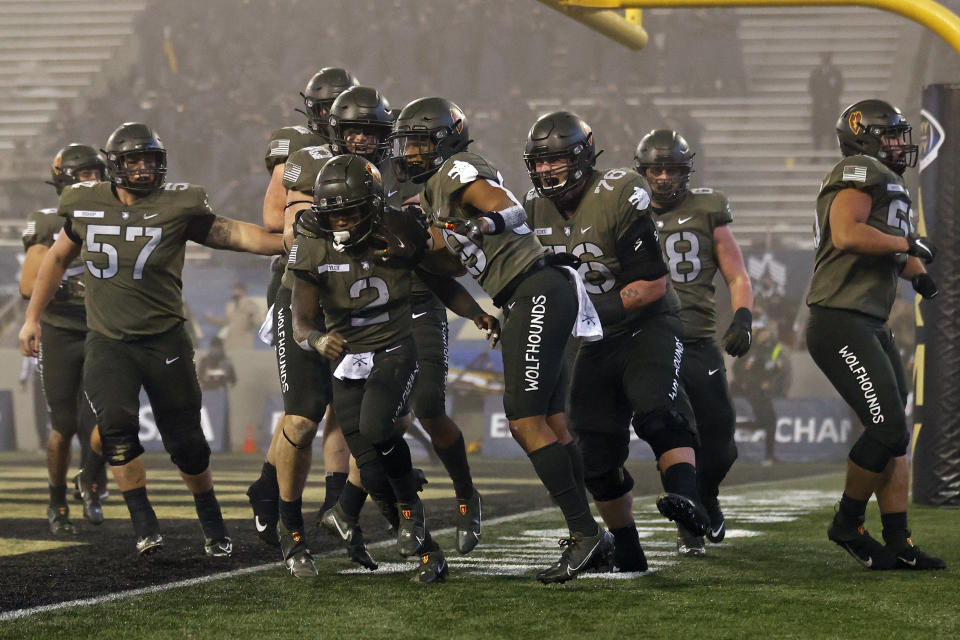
point(664, 430)
point(873, 455)
point(190, 452)
point(610, 485)
point(119, 439)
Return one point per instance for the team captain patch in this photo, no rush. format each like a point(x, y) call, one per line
point(855, 173)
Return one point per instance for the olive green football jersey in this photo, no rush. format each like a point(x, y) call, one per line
point(846, 280)
point(686, 237)
point(498, 258)
point(367, 301)
point(303, 165)
point(134, 253)
point(612, 202)
point(285, 141)
point(66, 310)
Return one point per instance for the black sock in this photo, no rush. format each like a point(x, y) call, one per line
point(352, 499)
point(852, 512)
point(681, 478)
point(333, 484)
point(141, 513)
point(395, 455)
point(454, 459)
point(268, 477)
point(58, 495)
point(92, 469)
point(628, 554)
point(576, 463)
point(208, 511)
point(429, 544)
point(291, 514)
point(895, 532)
point(553, 467)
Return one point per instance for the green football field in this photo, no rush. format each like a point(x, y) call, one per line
point(775, 576)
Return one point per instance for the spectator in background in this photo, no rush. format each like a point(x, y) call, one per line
point(761, 376)
point(215, 369)
point(242, 317)
point(825, 85)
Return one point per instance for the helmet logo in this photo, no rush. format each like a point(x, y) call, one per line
point(457, 119)
point(57, 162)
point(373, 171)
point(855, 122)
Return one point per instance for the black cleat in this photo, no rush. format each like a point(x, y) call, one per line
point(863, 547)
point(433, 568)
point(218, 547)
point(412, 532)
point(684, 511)
point(338, 523)
point(469, 523)
point(689, 545)
point(59, 519)
point(296, 554)
point(149, 544)
point(718, 526)
point(266, 513)
point(92, 509)
point(911, 557)
point(357, 550)
point(578, 552)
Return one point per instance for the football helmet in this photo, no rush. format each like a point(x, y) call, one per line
point(348, 202)
point(361, 110)
point(665, 149)
point(320, 92)
point(427, 132)
point(134, 138)
point(868, 127)
point(72, 159)
point(559, 136)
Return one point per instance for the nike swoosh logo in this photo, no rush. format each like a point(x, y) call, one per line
point(712, 371)
point(152, 215)
point(716, 532)
point(419, 540)
point(392, 348)
point(260, 527)
point(417, 315)
point(912, 563)
point(682, 220)
point(637, 246)
point(391, 193)
point(867, 563)
point(585, 229)
point(510, 306)
point(343, 534)
point(171, 360)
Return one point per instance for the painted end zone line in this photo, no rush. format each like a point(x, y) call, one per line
point(133, 593)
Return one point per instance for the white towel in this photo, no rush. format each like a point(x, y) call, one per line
point(355, 366)
point(587, 325)
point(266, 329)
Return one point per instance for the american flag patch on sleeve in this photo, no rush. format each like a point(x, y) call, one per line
point(855, 173)
point(31, 229)
point(291, 172)
point(280, 148)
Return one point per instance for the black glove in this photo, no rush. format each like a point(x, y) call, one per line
point(469, 228)
point(738, 337)
point(925, 286)
point(921, 247)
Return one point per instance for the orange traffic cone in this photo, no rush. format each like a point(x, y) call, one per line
point(249, 444)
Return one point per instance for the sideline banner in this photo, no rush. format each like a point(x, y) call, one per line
point(936, 432)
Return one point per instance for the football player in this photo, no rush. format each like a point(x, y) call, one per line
point(360, 122)
point(318, 96)
point(485, 226)
point(864, 240)
point(603, 219)
point(64, 325)
point(131, 233)
point(354, 259)
point(696, 240)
